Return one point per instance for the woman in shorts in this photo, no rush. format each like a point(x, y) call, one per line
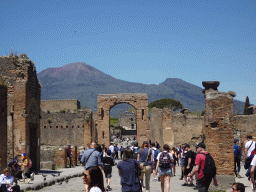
point(165, 171)
point(108, 162)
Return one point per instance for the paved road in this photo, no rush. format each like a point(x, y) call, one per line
point(76, 184)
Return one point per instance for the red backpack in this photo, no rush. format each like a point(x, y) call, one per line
point(165, 160)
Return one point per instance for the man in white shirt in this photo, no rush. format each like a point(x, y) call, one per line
point(249, 146)
point(112, 149)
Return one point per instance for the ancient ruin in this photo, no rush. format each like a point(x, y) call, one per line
point(63, 123)
point(107, 101)
point(18, 74)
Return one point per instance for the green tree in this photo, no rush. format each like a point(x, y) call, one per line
point(246, 105)
point(166, 103)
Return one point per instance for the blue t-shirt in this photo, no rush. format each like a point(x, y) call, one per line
point(128, 177)
point(143, 156)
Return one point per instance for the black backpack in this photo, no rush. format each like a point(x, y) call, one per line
point(164, 160)
point(209, 167)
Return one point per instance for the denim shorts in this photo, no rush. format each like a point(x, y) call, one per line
point(165, 171)
point(182, 162)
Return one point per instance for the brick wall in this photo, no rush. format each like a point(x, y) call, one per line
point(58, 129)
point(20, 77)
point(175, 129)
point(58, 105)
point(3, 127)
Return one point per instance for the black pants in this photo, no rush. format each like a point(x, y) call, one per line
point(121, 154)
point(237, 165)
point(203, 186)
point(71, 161)
point(15, 188)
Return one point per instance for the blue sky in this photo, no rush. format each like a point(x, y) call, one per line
point(142, 41)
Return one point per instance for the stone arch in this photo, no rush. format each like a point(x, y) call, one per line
point(105, 102)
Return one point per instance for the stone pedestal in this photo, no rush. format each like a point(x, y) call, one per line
point(218, 130)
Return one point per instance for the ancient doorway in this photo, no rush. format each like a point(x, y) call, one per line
point(33, 143)
point(105, 102)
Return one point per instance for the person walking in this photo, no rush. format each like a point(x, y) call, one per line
point(91, 158)
point(69, 155)
point(155, 152)
point(189, 163)
point(94, 179)
point(6, 181)
point(81, 152)
point(249, 146)
point(237, 157)
point(108, 162)
point(121, 152)
point(126, 169)
point(182, 161)
point(203, 157)
point(164, 160)
point(146, 159)
point(175, 158)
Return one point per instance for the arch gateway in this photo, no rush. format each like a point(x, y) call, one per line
point(105, 102)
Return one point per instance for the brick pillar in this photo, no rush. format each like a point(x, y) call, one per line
point(218, 131)
point(3, 127)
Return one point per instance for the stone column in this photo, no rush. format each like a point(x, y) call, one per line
point(218, 131)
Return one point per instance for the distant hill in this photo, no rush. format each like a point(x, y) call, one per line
point(84, 82)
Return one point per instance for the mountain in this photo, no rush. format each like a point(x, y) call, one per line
point(84, 82)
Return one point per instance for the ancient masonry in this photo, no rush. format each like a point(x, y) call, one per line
point(61, 126)
point(107, 101)
point(127, 120)
point(218, 130)
point(23, 108)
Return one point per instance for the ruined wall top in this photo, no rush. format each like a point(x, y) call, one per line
point(58, 105)
point(123, 95)
point(14, 68)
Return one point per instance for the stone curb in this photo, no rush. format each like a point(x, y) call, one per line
point(52, 181)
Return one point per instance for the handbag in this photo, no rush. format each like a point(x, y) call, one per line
point(137, 170)
point(144, 163)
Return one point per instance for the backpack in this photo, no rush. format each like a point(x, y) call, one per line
point(156, 152)
point(209, 166)
point(236, 148)
point(29, 163)
point(165, 160)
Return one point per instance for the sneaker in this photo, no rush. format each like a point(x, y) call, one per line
point(185, 184)
point(190, 185)
point(239, 176)
point(32, 176)
point(29, 180)
point(155, 179)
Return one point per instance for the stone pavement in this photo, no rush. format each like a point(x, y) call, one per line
point(58, 183)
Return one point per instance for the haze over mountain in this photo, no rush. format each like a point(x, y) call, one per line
point(84, 82)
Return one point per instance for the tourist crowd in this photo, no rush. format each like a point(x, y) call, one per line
point(138, 163)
